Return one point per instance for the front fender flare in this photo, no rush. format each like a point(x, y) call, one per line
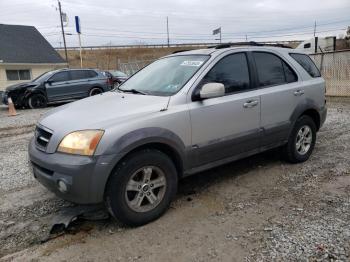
point(143, 136)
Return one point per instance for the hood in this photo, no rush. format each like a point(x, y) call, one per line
point(21, 85)
point(101, 111)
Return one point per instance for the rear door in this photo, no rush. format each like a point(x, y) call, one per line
point(226, 126)
point(280, 94)
point(80, 83)
point(57, 86)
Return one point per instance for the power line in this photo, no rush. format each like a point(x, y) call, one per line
point(209, 39)
point(199, 34)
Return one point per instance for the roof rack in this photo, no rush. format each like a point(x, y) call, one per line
point(251, 43)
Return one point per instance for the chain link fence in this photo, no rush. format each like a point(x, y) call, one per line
point(335, 69)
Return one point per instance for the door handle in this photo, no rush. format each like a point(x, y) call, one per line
point(250, 104)
point(299, 92)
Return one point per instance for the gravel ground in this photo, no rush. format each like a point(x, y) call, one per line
point(256, 209)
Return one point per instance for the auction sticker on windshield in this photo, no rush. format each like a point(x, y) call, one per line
point(192, 63)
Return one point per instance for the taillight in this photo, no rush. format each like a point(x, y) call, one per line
point(109, 81)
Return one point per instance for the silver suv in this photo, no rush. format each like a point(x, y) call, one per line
point(185, 113)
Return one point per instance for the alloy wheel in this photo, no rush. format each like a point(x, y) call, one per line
point(145, 189)
point(303, 140)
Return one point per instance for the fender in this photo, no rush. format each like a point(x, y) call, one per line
point(304, 105)
point(135, 139)
point(143, 136)
point(29, 92)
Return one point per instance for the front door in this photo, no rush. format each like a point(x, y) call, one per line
point(226, 126)
point(80, 84)
point(57, 87)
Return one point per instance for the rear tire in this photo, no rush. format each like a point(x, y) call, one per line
point(95, 91)
point(37, 101)
point(301, 141)
point(141, 187)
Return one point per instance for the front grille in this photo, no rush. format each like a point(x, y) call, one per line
point(42, 137)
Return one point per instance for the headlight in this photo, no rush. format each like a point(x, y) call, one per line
point(81, 142)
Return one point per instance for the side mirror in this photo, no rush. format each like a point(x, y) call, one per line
point(49, 82)
point(211, 90)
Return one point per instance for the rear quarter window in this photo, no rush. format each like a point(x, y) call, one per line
point(306, 62)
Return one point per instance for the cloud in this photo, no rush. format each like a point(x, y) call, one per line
point(124, 22)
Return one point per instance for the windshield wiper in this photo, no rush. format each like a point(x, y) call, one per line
point(134, 91)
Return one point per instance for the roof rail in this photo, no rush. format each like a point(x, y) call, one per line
point(251, 43)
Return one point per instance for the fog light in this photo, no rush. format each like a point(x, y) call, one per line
point(62, 186)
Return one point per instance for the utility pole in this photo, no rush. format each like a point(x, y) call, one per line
point(167, 30)
point(315, 29)
point(64, 38)
point(78, 29)
point(246, 38)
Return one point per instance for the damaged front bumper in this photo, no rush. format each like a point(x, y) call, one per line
point(78, 179)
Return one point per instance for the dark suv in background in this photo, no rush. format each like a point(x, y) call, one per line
point(58, 86)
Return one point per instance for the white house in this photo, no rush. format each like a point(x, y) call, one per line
point(25, 54)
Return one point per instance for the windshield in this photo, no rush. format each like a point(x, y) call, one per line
point(43, 77)
point(118, 74)
point(166, 76)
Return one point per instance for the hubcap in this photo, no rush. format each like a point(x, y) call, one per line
point(303, 140)
point(145, 189)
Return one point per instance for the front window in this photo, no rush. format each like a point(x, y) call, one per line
point(44, 76)
point(166, 76)
point(231, 71)
point(60, 77)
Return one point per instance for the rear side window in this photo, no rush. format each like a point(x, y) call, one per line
point(79, 74)
point(232, 71)
point(60, 77)
point(272, 70)
point(306, 62)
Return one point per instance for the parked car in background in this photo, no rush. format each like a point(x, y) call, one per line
point(180, 115)
point(117, 77)
point(57, 86)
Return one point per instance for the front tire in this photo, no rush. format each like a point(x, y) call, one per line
point(141, 187)
point(37, 101)
point(301, 141)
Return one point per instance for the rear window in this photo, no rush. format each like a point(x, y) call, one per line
point(272, 70)
point(306, 62)
point(82, 74)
